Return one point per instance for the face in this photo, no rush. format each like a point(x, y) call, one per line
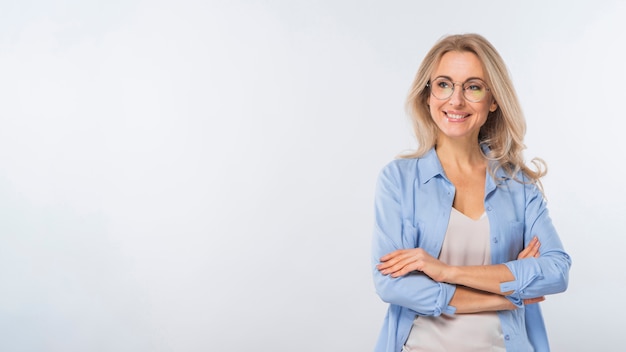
point(456, 117)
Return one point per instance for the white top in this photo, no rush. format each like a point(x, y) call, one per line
point(466, 243)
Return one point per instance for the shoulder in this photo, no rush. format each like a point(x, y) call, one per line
point(396, 177)
point(401, 164)
point(523, 184)
point(405, 172)
point(423, 167)
point(400, 168)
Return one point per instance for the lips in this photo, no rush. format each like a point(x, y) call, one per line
point(456, 115)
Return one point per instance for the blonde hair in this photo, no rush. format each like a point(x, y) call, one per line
point(504, 131)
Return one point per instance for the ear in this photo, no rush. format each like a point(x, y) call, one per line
point(494, 106)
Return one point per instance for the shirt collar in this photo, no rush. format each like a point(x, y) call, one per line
point(430, 167)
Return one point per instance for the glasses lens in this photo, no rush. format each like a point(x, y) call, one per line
point(442, 88)
point(474, 90)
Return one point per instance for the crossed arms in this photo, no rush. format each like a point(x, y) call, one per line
point(478, 287)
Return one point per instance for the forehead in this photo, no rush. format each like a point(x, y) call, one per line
point(459, 66)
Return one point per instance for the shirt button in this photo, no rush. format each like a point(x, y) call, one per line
point(507, 337)
point(489, 208)
point(495, 240)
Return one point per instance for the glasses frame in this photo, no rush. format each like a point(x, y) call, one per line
point(454, 84)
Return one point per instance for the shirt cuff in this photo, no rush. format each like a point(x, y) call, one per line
point(448, 291)
point(525, 272)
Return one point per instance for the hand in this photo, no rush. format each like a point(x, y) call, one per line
point(403, 261)
point(532, 251)
point(508, 305)
point(534, 300)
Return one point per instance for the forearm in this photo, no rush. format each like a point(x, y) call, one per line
point(468, 300)
point(480, 277)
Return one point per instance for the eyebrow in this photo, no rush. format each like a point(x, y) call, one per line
point(450, 78)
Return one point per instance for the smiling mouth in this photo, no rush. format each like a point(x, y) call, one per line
point(456, 116)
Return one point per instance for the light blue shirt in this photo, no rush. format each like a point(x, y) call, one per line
point(412, 207)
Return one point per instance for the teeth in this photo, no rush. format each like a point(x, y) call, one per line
point(452, 116)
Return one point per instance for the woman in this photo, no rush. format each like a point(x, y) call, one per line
point(463, 247)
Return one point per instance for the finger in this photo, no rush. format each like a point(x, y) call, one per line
point(399, 268)
point(530, 246)
point(537, 246)
point(415, 261)
point(531, 250)
point(524, 253)
point(408, 264)
point(527, 252)
point(385, 265)
point(394, 254)
point(389, 256)
point(410, 267)
point(392, 261)
point(534, 300)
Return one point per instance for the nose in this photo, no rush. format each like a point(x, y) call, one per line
point(457, 97)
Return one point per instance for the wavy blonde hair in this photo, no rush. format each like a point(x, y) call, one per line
point(504, 131)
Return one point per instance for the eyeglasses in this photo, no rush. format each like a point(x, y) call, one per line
point(474, 89)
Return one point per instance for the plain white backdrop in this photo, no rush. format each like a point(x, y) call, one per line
point(199, 175)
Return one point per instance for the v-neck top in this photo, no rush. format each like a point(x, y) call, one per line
point(466, 243)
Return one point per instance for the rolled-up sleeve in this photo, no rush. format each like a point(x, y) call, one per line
point(547, 274)
point(415, 291)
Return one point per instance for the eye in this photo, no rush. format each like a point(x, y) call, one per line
point(443, 83)
point(474, 86)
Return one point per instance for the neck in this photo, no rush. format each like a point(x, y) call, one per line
point(462, 153)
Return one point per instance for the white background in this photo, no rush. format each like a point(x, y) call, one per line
point(199, 176)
